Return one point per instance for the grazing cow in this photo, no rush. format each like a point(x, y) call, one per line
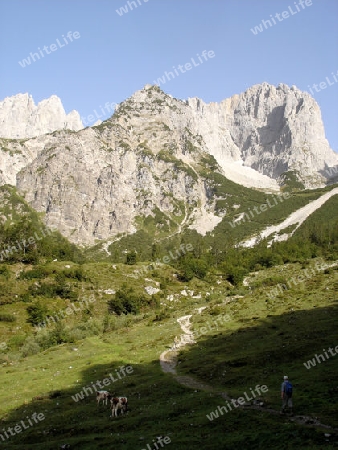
point(104, 396)
point(118, 403)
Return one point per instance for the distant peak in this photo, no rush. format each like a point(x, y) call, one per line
point(21, 118)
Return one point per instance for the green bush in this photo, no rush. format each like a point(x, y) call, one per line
point(5, 272)
point(30, 347)
point(7, 318)
point(44, 290)
point(58, 335)
point(131, 258)
point(269, 281)
point(75, 334)
point(91, 327)
point(37, 313)
point(162, 315)
point(38, 272)
point(51, 290)
point(60, 277)
point(192, 267)
point(65, 291)
point(113, 322)
point(25, 297)
point(126, 301)
point(236, 274)
point(74, 273)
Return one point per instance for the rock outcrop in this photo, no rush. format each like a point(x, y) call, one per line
point(270, 129)
point(96, 185)
point(20, 118)
point(148, 160)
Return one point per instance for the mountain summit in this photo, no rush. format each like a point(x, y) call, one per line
point(21, 118)
point(272, 130)
point(162, 159)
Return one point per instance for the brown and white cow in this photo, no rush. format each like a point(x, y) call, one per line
point(104, 396)
point(118, 404)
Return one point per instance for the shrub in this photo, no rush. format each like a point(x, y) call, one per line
point(47, 338)
point(26, 297)
point(163, 314)
point(123, 304)
point(65, 291)
point(126, 301)
point(235, 274)
point(269, 281)
point(17, 341)
point(131, 258)
point(58, 335)
point(113, 323)
point(192, 267)
point(7, 318)
point(37, 313)
point(75, 334)
point(216, 311)
point(30, 347)
point(60, 277)
point(91, 327)
point(5, 272)
point(38, 272)
point(45, 290)
point(74, 273)
point(51, 290)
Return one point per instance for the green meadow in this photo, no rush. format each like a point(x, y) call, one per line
point(71, 318)
point(264, 338)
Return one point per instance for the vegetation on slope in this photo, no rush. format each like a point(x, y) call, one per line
point(114, 319)
point(23, 235)
point(262, 340)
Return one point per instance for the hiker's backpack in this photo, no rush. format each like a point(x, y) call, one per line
point(288, 389)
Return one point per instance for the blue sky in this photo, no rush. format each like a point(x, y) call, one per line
point(117, 54)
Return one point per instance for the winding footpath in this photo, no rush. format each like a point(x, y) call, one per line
point(168, 362)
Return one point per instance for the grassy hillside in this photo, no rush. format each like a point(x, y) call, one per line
point(23, 235)
point(232, 201)
point(266, 336)
point(99, 316)
point(274, 332)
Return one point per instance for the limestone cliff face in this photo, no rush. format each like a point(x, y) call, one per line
point(16, 154)
point(270, 129)
point(148, 160)
point(98, 184)
point(21, 118)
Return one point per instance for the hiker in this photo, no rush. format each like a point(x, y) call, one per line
point(286, 394)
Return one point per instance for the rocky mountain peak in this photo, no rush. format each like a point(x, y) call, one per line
point(271, 129)
point(21, 118)
point(150, 159)
point(151, 98)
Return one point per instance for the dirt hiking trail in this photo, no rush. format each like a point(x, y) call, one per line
point(168, 362)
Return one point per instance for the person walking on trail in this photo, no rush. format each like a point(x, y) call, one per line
point(286, 394)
